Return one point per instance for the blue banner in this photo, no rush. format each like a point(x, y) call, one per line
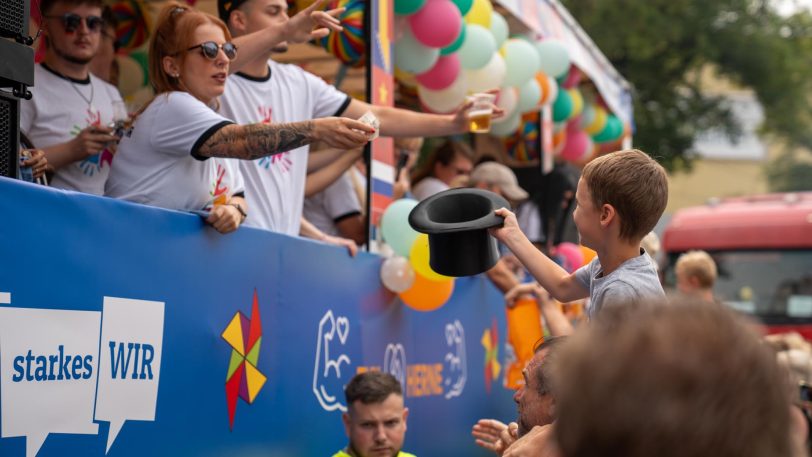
point(131, 331)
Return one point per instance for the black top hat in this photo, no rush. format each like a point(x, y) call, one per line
point(457, 222)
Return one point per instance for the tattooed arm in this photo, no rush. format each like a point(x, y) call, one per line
point(259, 140)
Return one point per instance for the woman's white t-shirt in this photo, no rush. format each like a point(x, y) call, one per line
point(157, 162)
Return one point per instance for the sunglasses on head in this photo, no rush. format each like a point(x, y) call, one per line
point(72, 21)
point(209, 49)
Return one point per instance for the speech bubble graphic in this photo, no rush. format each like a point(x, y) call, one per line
point(130, 362)
point(48, 369)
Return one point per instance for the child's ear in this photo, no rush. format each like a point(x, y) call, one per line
point(608, 214)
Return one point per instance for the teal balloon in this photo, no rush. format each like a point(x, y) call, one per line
point(478, 47)
point(464, 6)
point(455, 46)
point(404, 7)
point(555, 59)
point(412, 56)
point(611, 131)
point(397, 232)
point(529, 96)
point(499, 29)
point(562, 107)
point(521, 60)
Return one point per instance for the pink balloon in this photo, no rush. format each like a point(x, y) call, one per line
point(442, 74)
point(571, 254)
point(574, 124)
point(437, 24)
point(573, 78)
point(578, 145)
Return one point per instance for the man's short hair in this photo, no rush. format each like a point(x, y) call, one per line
point(697, 264)
point(544, 373)
point(225, 7)
point(371, 387)
point(45, 6)
point(687, 379)
point(634, 184)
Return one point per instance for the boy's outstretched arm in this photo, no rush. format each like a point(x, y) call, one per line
point(563, 286)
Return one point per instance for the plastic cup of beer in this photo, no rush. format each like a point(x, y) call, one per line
point(480, 113)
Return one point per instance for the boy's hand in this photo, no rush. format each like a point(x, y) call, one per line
point(312, 24)
point(509, 232)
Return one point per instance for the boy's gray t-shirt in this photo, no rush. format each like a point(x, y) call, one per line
point(634, 280)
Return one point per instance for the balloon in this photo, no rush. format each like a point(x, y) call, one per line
point(507, 125)
point(419, 258)
point(559, 141)
point(578, 146)
point(478, 48)
point(562, 107)
point(549, 88)
point(455, 46)
point(408, 6)
point(587, 116)
point(464, 6)
point(444, 100)
point(499, 29)
point(612, 131)
point(508, 100)
point(577, 102)
point(412, 56)
point(437, 24)
point(348, 45)
point(598, 123)
point(588, 254)
point(529, 96)
point(521, 60)
point(426, 295)
point(573, 78)
point(571, 254)
point(491, 76)
point(555, 60)
point(442, 74)
point(480, 13)
point(397, 274)
point(405, 78)
point(397, 232)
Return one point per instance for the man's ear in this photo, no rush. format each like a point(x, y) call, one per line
point(345, 418)
point(608, 214)
point(405, 416)
point(238, 21)
point(170, 65)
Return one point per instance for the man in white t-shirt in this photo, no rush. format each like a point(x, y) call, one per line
point(336, 211)
point(71, 109)
point(268, 91)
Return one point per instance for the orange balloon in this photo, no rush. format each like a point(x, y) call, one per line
point(426, 295)
point(544, 83)
point(589, 254)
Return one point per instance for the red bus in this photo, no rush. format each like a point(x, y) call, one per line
point(762, 246)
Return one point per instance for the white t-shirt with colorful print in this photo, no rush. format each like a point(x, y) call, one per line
point(275, 185)
point(62, 107)
point(157, 162)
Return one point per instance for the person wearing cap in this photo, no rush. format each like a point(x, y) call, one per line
point(266, 91)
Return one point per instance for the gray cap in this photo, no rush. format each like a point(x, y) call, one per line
point(500, 175)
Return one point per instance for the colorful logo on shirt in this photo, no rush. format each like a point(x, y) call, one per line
point(219, 188)
point(490, 341)
point(93, 164)
point(281, 161)
point(243, 380)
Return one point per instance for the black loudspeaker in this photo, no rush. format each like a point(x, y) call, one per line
point(14, 20)
point(9, 134)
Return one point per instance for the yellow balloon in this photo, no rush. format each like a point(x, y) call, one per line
point(599, 123)
point(480, 13)
point(577, 102)
point(419, 258)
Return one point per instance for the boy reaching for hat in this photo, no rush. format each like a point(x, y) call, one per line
point(620, 197)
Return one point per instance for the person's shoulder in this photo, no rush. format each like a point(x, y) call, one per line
point(109, 88)
point(405, 454)
point(341, 453)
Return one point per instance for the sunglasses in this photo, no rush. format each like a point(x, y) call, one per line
point(72, 21)
point(210, 49)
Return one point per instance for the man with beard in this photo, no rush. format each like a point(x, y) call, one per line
point(375, 421)
point(71, 109)
point(534, 400)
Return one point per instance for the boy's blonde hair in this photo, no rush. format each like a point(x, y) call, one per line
point(697, 264)
point(634, 184)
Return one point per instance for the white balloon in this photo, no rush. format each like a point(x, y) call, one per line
point(412, 56)
point(491, 76)
point(397, 274)
point(444, 100)
point(529, 96)
point(554, 57)
point(507, 99)
point(499, 29)
point(506, 126)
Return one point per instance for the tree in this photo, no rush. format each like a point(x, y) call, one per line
point(661, 46)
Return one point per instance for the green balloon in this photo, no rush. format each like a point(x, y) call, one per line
point(499, 29)
point(397, 232)
point(453, 47)
point(478, 47)
point(611, 131)
point(404, 7)
point(562, 107)
point(464, 6)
